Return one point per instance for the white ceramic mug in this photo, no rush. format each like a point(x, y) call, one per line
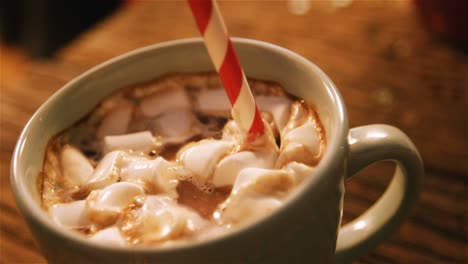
point(305, 230)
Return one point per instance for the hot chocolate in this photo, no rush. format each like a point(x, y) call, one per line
point(162, 162)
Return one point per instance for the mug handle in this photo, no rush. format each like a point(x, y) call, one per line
point(369, 144)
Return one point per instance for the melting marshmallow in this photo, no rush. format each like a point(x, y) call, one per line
point(71, 215)
point(105, 205)
point(263, 182)
point(159, 173)
point(256, 193)
point(76, 167)
point(176, 126)
point(213, 101)
point(140, 141)
point(278, 106)
point(114, 197)
point(249, 209)
point(300, 170)
point(107, 171)
point(164, 101)
point(109, 236)
point(305, 135)
point(159, 218)
point(212, 232)
point(232, 132)
point(116, 121)
point(301, 144)
point(228, 168)
point(200, 158)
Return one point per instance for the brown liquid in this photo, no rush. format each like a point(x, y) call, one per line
point(203, 202)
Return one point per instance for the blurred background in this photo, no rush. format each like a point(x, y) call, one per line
point(404, 63)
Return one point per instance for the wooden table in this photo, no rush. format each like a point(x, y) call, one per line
point(388, 69)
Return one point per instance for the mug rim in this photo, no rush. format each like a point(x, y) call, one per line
point(35, 214)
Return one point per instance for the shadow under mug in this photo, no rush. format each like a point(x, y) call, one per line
point(306, 229)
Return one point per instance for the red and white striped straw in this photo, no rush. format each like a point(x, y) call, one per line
point(211, 25)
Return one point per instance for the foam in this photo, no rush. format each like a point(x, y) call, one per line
point(202, 186)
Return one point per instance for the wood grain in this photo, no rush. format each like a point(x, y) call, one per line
point(388, 69)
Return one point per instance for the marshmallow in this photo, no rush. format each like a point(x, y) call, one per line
point(158, 173)
point(278, 106)
point(200, 158)
point(300, 170)
point(109, 236)
point(164, 101)
point(159, 218)
point(300, 113)
point(140, 141)
point(228, 168)
point(249, 209)
point(255, 194)
point(176, 126)
point(107, 171)
point(212, 232)
point(116, 121)
point(306, 135)
point(213, 101)
point(263, 182)
point(76, 167)
point(114, 197)
point(105, 205)
point(232, 132)
point(71, 215)
point(301, 144)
